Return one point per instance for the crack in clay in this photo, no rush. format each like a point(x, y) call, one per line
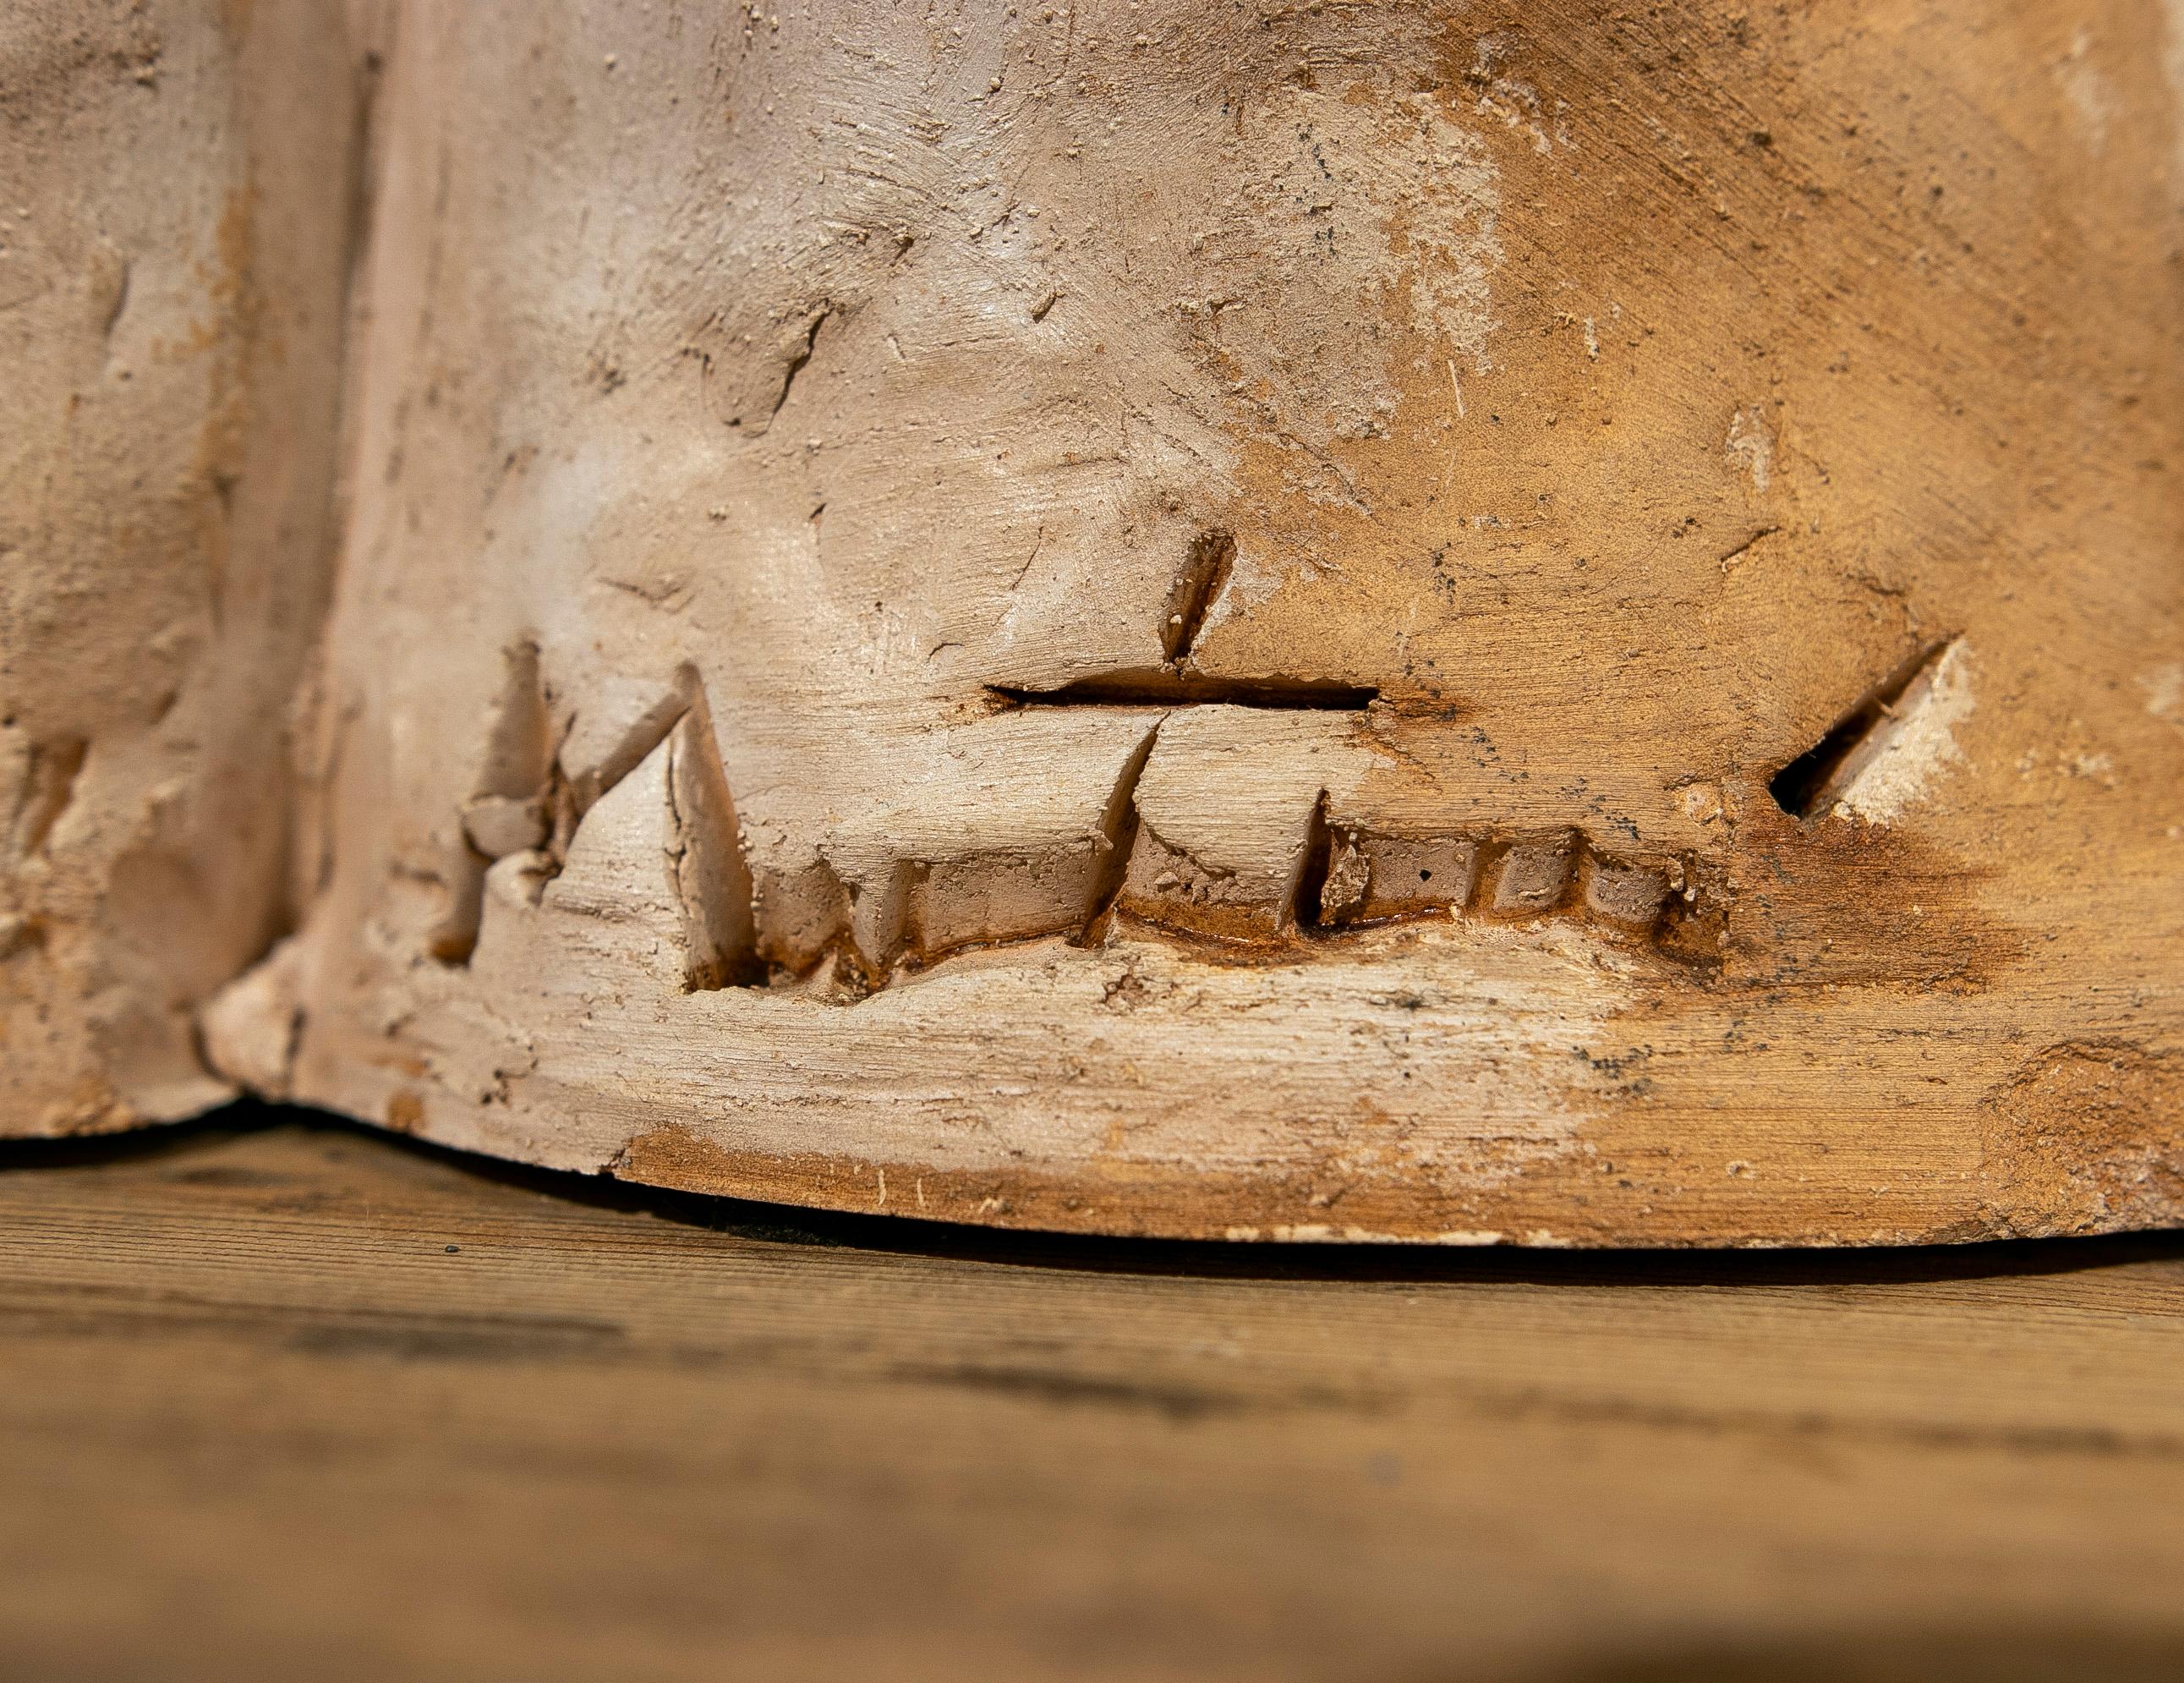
point(1162, 687)
point(798, 361)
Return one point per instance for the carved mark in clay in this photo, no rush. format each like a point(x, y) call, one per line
point(517, 754)
point(1205, 573)
point(45, 783)
point(1809, 786)
point(1346, 879)
point(1352, 877)
point(705, 860)
point(1286, 868)
point(1118, 830)
point(798, 359)
point(1178, 682)
point(537, 776)
point(1158, 687)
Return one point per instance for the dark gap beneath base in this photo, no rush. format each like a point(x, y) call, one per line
point(178, 1150)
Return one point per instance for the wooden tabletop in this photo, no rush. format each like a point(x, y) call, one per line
point(281, 1398)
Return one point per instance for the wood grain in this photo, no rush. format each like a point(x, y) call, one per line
point(281, 1398)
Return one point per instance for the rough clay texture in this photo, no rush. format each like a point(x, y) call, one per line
point(1437, 622)
point(179, 179)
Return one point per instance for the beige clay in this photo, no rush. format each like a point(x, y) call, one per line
point(1559, 626)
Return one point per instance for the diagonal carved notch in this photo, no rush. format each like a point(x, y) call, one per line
point(797, 359)
point(1809, 784)
point(46, 782)
point(1205, 572)
point(1178, 681)
point(1118, 832)
point(705, 860)
point(518, 753)
point(1305, 906)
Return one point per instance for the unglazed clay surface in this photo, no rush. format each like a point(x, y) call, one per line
point(179, 183)
point(1418, 621)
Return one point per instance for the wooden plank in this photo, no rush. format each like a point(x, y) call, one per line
point(294, 1400)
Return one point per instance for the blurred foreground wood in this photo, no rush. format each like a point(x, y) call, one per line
point(287, 1399)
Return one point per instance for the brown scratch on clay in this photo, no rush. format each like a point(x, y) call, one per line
point(1024, 571)
point(1728, 562)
